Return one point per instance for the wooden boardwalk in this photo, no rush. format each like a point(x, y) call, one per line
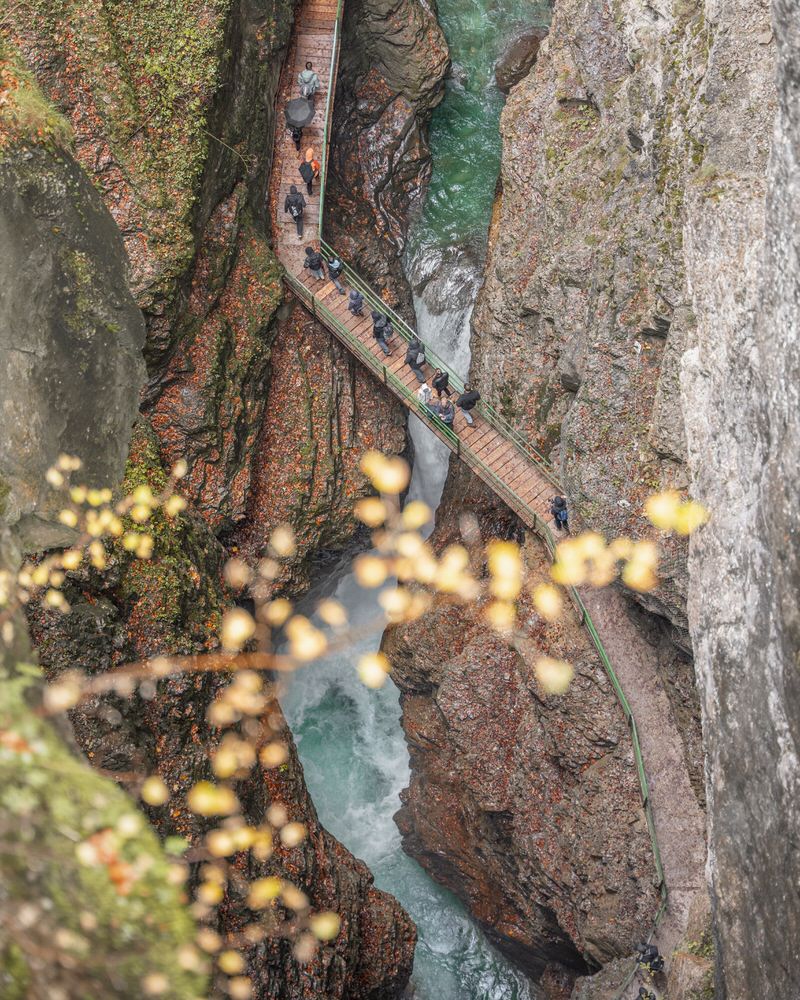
point(496, 458)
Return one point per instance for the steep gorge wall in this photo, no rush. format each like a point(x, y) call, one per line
point(740, 381)
point(526, 805)
point(392, 68)
point(620, 149)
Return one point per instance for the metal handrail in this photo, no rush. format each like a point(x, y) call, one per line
point(332, 74)
point(487, 412)
point(471, 458)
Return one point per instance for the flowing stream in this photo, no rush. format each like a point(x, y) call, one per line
point(349, 738)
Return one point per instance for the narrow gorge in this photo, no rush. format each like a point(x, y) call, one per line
point(588, 211)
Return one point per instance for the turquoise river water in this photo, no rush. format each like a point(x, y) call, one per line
point(349, 738)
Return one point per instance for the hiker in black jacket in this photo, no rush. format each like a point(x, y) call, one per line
point(441, 383)
point(313, 262)
point(381, 330)
point(415, 358)
point(294, 205)
point(558, 508)
point(466, 402)
point(297, 135)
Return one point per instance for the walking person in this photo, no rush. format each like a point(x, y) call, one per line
point(335, 268)
point(294, 204)
point(356, 302)
point(307, 173)
point(466, 403)
point(309, 82)
point(313, 262)
point(558, 508)
point(297, 135)
point(381, 330)
point(441, 383)
point(415, 357)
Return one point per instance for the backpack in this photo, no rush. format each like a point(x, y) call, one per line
point(421, 358)
point(561, 515)
point(295, 210)
point(335, 267)
point(307, 90)
point(306, 171)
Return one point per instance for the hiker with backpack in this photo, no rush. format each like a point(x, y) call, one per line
point(467, 401)
point(356, 302)
point(649, 957)
point(415, 358)
point(294, 205)
point(314, 262)
point(309, 170)
point(558, 508)
point(381, 330)
point(309, 82)
point(441, 383)
point(307, 173)
point(335, 268)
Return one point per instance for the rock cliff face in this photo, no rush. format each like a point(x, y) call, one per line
point(604, 143)
point(394, 58)
point(69, 330)
point(527, 806)
point(172, 604)
point(70, 338)
point(739, 383)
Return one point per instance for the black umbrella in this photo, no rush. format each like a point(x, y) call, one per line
point(299, 112)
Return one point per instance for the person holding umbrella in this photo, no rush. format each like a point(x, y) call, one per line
point(298, 113)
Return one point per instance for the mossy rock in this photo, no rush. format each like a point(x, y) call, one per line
point(65, 923)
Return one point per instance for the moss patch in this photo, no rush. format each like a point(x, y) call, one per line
point(68, 923)
point(174, 599)
point(146, 72)
point(26, 116)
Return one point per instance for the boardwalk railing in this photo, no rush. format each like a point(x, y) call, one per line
point(464, 452)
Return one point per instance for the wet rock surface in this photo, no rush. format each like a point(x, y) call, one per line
point(391, 76)
point(324, 411)
point(516, 62)
point(69, 330)
point(527, 806)
point(586, 282)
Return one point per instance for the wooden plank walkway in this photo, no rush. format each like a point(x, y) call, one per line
point(497, 459)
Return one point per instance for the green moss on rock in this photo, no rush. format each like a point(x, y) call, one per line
point(67, 921)
point(26, 116)
point(175, 597)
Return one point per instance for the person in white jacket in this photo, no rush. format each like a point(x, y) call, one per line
point(309, 82)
